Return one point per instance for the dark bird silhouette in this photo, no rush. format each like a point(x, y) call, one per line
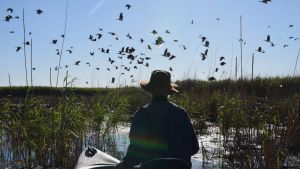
point(12, 32)
point(216, 70)
point(112, 33)
point(54, 41)
point(272, 44)
point(291, 37)
point(92, 53)
point(154, 32)
point(91, 37)
point(192, 22)
point(268, 38)
point(107, 51)
point(120, 17)
point(203, 38)
point(131, 50)
point(290, 26)
point(159, 41)
point(149, 47)
point(222, 63)
point(167, 31)
point(99, 35)
point(204, 55)
point(9, 10)
point(218, 19)
point(100, 29)
point(285, 45)
point(184, 47)
point(70, 51)
point(128, 36)
point(108, 69)
point(27, 43)
point(172, 57)
point(296, 39)
point(39, 11)
point(265, 1)
point(128, 6)
point(206, 44)
point(171, 69)
point(165, 52)
point(97, 68)
point(147, 58)
point(17, 17)
point(18, 48)
point(135, 67)
point(222, 58)
point(110, 60)
point(113, 80)
point(8, 18)
point(259, 49)
point(33, 68)
point(88, 64)
point(131, 57)
point(62, 36)
point(175, 40)
point(77, 63)
point(212, 78)
point(141, 40)
point(66, 66)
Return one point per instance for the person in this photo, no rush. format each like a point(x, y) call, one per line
point(160, 129)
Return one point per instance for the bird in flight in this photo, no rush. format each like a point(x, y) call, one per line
point(167, 31)
point(154, 32)
point(212, 78)
point(172, 57)
point(18, 48)
point(27, 43)
point(222, 63)
point(39, 11)
point(268, 39)
point(265, 1)
point(70, 51)
point(128, 36)
point(222, 58)
point(206, 44)
point(99, 35)
point(8, 18)
point(128, 6)
point(77, 62)
point(259, 49)
point(120, 17)
point(9, 10)
point(54, 41)
point(159, 41)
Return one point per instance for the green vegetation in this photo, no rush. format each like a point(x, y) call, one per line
point(259, 121)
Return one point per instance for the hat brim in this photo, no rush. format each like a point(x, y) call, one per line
point(157, 90)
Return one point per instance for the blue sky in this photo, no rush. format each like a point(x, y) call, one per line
point(86, 17)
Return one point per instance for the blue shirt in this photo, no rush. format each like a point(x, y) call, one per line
point(160, 129)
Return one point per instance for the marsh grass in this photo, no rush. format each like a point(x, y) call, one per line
point(258, 121)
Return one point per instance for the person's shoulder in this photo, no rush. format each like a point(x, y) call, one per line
point(177, 108)
point(142, 109)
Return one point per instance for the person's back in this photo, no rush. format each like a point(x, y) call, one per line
point(160, 129)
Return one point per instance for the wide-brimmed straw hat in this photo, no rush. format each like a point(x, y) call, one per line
point(159, 83)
